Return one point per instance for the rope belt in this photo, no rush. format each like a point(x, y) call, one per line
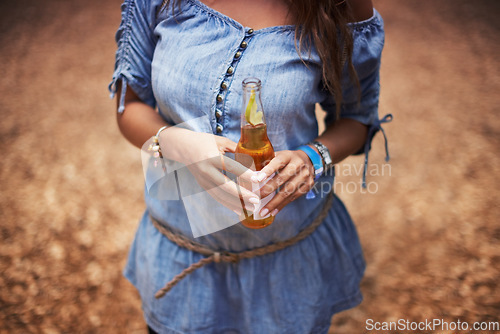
point(215, 256)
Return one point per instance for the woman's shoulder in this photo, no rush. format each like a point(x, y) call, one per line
point(145, 11)
point(371, 24)
point(362, 10)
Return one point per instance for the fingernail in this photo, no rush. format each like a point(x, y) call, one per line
point(264, 212)
point(254, 200)
point(254, 178)
point(237, 212)
point(249, 207)
point(274, 212)
point(261, 176)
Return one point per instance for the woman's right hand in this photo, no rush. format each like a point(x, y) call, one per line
point(204, 155)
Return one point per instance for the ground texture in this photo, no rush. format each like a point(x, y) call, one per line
point(71, 187)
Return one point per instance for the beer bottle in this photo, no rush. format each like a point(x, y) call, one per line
point(254, 150)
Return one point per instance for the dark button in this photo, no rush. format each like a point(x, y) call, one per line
point(230, 70)
point(223, 85)
point(219, 128)
point(219, 98)
point(250, 31)
point(218, 113)
point(237, 55)
point(243, 45)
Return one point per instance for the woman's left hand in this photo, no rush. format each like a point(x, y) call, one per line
point(294, 177)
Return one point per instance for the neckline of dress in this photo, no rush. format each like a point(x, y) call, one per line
point(237, 24)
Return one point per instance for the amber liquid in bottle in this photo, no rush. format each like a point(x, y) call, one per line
point(254, 149)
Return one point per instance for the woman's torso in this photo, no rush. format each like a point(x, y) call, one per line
point(200, 60)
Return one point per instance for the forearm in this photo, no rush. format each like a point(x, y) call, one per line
point(343, 138)
point(139, 121)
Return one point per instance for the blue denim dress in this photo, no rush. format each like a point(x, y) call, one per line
point(191, 66)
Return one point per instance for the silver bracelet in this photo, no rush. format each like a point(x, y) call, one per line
point(325, 154)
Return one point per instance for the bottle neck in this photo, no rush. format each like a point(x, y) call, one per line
point(252, 112)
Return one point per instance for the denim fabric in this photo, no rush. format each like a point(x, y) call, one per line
point(178, 65)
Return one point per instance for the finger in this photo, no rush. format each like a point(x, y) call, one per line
point(233, 203)
point(276, 182)
point(225, 144)
point(209, 177)
point(229, 194)
point(281, 199)
point(295, 168)
point(236, 168)
point(225, 163)
point(292, 190)
point(277, 163)
point(245, 197)
point(303, 188)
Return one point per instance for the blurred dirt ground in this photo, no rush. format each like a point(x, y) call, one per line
point(71, 187)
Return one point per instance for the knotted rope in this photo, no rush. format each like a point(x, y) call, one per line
point(231, 257)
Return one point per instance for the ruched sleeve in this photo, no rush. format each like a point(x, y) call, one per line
point(136, 43)
point(362, 104)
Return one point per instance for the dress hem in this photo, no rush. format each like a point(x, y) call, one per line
point(347, 303)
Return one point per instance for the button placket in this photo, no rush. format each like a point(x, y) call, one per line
point(226, 81)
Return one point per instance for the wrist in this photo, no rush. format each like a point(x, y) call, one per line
point(170, 140)
point(155, 146)
point(315, 159)
point(324, 153)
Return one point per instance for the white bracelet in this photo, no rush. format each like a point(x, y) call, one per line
point(155, 147)
point(160, 130)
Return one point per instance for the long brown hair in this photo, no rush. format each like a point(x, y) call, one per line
point(322, 24)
